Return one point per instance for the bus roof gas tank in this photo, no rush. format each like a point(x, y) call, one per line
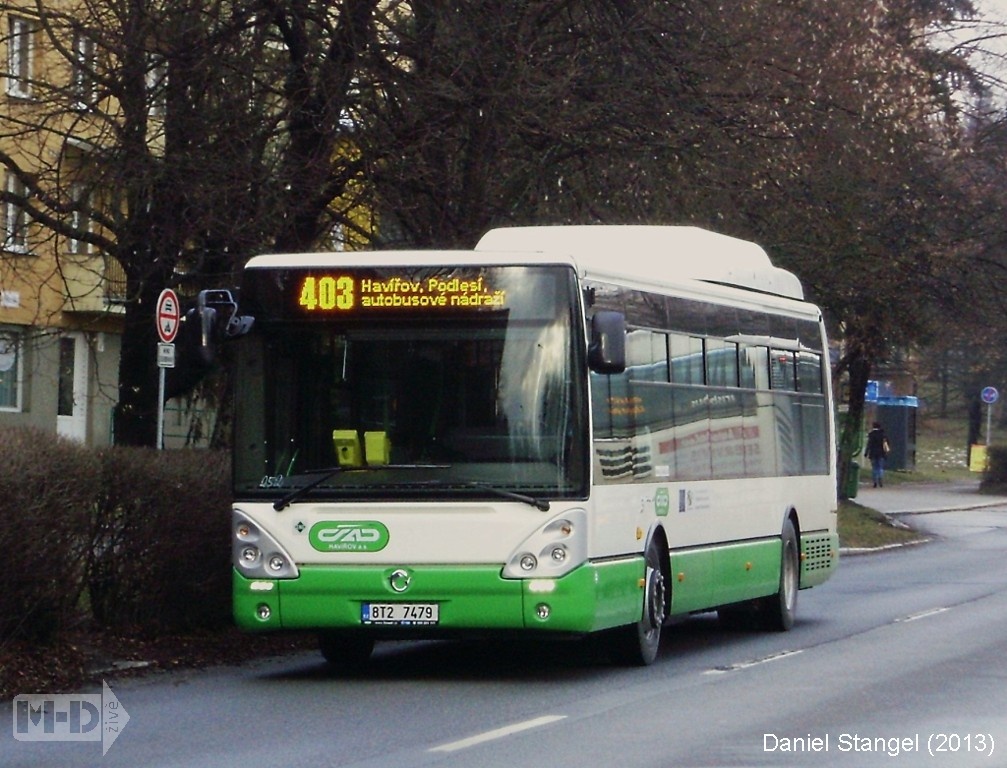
point(650, 253)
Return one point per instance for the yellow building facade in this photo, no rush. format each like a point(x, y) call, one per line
point(60, 296)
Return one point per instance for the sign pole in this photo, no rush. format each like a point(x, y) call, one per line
point(166, 318)
point(989, 396)
point(989, 422)
point(160, 408)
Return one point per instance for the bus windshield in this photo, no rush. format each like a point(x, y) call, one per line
point(409, 383)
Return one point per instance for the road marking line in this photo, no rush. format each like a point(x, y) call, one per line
point(921, 615)
point(753, 663)
point(499, 733)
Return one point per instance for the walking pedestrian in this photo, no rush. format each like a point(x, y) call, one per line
point(877, 451)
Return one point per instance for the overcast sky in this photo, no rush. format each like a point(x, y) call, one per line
point(987, 34)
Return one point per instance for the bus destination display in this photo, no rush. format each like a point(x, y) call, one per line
point(346, 293)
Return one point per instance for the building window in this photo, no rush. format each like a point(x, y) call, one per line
point(10, 371)
point(157, 85)
point(15, 220)
point(20, 48)
point(79, 219)
point(83, 70)
point(67, 376)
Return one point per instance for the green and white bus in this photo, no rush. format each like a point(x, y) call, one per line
point(565, 431)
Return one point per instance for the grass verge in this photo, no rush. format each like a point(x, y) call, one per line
point(861, 527)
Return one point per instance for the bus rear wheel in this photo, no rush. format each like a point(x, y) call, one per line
point(778, 611)
point(345, 651)
point(637, 644)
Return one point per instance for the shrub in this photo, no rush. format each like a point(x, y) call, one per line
point(141, 537)
point(160, 559)
point(995, 474)
point(48, 489)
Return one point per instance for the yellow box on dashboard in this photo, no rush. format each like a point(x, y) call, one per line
point(377, 447)
point(347, 445)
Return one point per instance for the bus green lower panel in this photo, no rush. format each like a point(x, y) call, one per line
point(592, 597)
point(706, 578)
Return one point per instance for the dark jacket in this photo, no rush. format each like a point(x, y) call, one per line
point(876, 444)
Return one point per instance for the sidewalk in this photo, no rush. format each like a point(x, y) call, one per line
point(914, 498)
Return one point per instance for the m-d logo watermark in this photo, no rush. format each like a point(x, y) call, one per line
point(70, 717)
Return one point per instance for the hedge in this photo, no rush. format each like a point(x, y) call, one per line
point(995, 474)
point(126, 538)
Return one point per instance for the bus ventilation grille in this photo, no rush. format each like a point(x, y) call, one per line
point(818, 554)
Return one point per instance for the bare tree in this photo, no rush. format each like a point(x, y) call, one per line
point(178, 138)
point(215, 130)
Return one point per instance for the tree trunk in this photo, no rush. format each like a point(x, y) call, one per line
point(851, 437)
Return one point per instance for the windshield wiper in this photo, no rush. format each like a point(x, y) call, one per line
point(541, 504)
point(329, 472)
point(325, 473)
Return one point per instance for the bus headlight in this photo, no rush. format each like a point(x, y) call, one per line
point(277, 563)
point(257, 555)
point(554, 549)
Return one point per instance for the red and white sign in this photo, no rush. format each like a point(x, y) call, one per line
point(167, 315)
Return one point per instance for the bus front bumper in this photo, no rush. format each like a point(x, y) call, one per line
point(594, 596)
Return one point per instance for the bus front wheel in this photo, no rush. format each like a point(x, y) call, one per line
point(345, 651)
point(637, 644)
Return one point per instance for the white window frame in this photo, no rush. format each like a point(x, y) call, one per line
point(84, 58)
point(157, 83)
point(15, 224)
point(20, 57)
point(10, 338)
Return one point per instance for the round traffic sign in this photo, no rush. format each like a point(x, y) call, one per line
point(990, 395)
point(167, 315)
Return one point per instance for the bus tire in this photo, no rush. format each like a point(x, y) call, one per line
point(637, 644)
point(778, 611)
point(344, 651)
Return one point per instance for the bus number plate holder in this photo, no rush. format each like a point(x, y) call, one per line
point(404, 614)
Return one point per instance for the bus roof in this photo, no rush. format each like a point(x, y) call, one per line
point(648, 253)
point(645, 254)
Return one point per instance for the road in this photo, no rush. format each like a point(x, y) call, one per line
point(903, 652)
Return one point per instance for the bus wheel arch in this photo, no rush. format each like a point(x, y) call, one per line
point(659, 541)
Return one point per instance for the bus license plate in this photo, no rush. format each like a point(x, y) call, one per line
point(400, 613)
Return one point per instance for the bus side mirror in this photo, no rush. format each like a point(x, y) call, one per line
point(606, 352)
point(212, 320)
point(218, 316)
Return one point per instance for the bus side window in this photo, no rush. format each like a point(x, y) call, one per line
point(647, 355)
point(754, 367)
point(784, 372)
point(721, 363)
point(809, 372)
point(686, 354)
